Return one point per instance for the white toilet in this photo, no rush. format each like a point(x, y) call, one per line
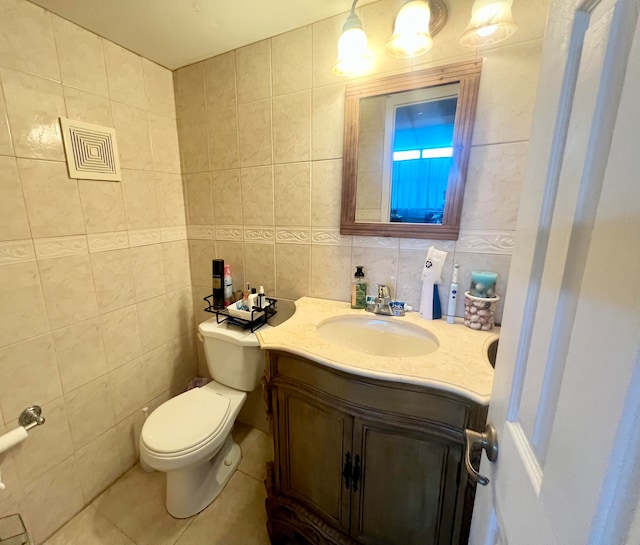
point(189, 436)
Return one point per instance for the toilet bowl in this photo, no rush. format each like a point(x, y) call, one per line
point(189, 436)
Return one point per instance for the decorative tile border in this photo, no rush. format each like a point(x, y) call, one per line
point(376, 242)
point(486, 242)
point(144, 237)
point(49, 248)
point(171, 234)
point(103, 242)
point(16, 251)
point(425, 244)
point(331, 237)
point(293, 236)
point(229, 232)
point(259, 234)
point(202, 232)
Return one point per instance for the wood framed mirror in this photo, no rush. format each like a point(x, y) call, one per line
point(407, 139)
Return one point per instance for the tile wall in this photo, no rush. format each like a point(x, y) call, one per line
point(261, 137)
point(96, 313)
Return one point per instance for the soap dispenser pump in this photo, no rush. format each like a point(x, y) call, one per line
point(358, 289)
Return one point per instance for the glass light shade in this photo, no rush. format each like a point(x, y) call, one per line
point(491, 22)
point(354, 57)
point(411, 36)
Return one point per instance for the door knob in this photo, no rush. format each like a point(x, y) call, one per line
point(487, 441)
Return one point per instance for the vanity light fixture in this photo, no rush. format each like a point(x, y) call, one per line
point(354, 57)
point(411, 36)
point(491, 22)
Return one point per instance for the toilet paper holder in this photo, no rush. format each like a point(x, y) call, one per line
point(31, 417)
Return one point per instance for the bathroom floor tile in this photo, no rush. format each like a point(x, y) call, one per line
point(89, 528)
point(257, 450)
point(135, 504)
point(237, 516)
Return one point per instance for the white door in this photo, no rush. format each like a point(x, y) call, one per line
point(566, 397)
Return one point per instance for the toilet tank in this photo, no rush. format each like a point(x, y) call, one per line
point(233, 354)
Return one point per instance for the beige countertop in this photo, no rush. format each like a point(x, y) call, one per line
point(458, 365)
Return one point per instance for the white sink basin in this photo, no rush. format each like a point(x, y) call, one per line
point(378, 337)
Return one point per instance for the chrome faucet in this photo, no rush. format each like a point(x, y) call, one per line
point(381, 305)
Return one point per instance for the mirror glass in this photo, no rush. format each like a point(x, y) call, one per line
point(407, 140)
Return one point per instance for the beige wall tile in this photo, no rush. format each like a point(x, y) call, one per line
point(175, 263)
point(380, 266)
point(164, 143)
point(13, 214)
point(148, 275)
point(331, 273)
point(27, 39)
point(293, 262)
point(124, 73)
point(194, 145)
point(260, 266)
point(223, 138)
point(128, 387)
point(326, 34)
point(52, 198)
point(83, 106)
point(158, 83)
point(152, 318)
point(253, 71)
point(128, 437)
point(170, 197)
point(113, 279)
point(254, 133)
point(180, 319)
point(327, 122)
point(492, 193)
point(140, 199)
point(291, 60)
point(21, 292)
point(80, 354)
point(52, 499)
point(326, 187)
point(292, 127)
point(81, 57)
point(257, 196)
point(69, 293)
point(293, 194)
point(28, 373)
point(159, 370)
point(189, 87)
point(507, 93)
point(201, 252)
point(226, 192)
point(220, 81)
point(98, 464)
point(6, 146)
point(33, 107)
point(199, 203)
point(90, 411)
point(134, 141)
point(54, 439)
point(102, 206)
point(121, 336)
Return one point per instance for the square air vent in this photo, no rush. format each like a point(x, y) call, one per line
point(92, 151)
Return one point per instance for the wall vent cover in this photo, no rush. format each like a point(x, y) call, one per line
point(91, 150)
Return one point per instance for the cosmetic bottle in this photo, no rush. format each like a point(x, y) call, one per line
point(217, 269)
point(358, 289)
point(228, 286)
point(253, 299)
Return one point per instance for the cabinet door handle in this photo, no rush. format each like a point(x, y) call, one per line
point(346, 471)
point(356, 473)
point(487, 441)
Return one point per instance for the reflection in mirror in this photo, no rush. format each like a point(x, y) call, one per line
point(407, 140)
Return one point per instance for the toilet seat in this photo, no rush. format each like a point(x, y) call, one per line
point(185, 423)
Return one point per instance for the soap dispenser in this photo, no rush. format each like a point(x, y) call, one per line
point(358, 289)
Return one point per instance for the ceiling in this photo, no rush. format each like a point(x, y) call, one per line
point(175, 33)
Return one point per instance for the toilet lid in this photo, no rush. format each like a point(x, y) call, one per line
point(185, 420)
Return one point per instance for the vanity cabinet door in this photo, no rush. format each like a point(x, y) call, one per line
point(407, 493)
point(314, 443)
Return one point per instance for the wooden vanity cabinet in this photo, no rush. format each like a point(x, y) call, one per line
point(365, 461)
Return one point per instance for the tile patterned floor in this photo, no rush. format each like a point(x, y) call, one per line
point(131, 511)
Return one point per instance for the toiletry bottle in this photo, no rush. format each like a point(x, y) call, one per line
point(228, 286)
point(261, 302)
point(253, 298)
point(217, 266)
point(453, 295)
point(245, 298)
point(358, 289)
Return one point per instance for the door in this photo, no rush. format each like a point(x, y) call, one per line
point(405, 489)
point(566, 396)
point(315, 444)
